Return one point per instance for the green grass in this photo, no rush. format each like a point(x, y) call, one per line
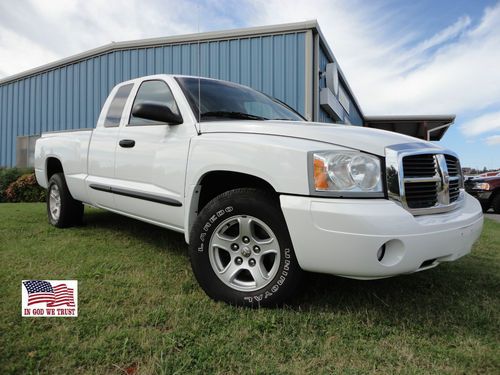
point(140, 310)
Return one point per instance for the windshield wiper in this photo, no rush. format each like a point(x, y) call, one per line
point(238, 115)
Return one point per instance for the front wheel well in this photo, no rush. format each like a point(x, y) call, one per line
point(217, 182)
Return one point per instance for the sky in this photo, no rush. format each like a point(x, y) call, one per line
point(399, 57)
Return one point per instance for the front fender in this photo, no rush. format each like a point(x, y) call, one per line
point(281, 161)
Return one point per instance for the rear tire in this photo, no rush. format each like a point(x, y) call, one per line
point(62, 210)
point(241, 252)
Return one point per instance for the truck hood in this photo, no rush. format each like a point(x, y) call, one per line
point(356, 137)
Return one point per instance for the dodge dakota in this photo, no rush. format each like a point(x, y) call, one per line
point(259, 193)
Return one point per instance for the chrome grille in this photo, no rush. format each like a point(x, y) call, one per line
point(423, 180)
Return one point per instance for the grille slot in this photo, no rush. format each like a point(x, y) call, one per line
point(420, 194)
point(453, 165)
point(419, 165)
point(454, 172)
point(454, 190)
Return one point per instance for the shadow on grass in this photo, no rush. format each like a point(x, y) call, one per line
point(451, 295)
point(451, 298)
point(159, 238)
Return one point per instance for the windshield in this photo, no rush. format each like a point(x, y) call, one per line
point(225, 100)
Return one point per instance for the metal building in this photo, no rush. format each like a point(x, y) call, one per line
point(291, 62)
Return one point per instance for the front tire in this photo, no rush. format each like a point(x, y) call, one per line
point(485, 206)
point(62, 210)
point(241, 252)
point(496, 203)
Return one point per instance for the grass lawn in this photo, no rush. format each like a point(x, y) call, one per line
point(141, 311)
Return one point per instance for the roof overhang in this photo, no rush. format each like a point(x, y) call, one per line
point(427, 127)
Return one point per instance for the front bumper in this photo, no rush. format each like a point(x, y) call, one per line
point(345, 237)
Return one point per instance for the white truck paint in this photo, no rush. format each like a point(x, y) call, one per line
point(340, 235)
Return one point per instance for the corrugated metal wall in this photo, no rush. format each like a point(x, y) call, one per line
point(354, 116)
point(70, 97)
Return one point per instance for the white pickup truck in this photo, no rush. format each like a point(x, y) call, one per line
point(260, 194)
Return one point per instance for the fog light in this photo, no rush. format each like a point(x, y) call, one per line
point(391, 253)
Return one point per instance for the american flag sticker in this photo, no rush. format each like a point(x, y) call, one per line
point(49, 298)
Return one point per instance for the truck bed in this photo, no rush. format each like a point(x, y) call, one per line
point(71, 146)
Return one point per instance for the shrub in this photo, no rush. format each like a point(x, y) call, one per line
point(8, 176)
point(25, 189)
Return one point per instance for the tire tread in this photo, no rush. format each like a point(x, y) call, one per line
point(71, 209)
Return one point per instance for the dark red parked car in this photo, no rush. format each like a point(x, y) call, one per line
point(486, 190)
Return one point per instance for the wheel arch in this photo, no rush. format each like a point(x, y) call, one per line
point(215, 182)
point(52, 166)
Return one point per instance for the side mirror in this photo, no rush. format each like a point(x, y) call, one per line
point(156, 112)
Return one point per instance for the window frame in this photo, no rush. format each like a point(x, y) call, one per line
point(128, 124)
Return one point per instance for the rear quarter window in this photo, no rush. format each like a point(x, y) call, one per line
point(117, 105)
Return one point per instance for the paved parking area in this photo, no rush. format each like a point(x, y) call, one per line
point(492, 216)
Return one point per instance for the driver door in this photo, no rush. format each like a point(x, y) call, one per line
point(150, 162)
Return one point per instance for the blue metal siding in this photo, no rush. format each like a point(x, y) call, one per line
point(70, 97)
point(354, 116)
point(3, 128)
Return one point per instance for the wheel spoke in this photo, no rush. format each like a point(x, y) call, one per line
point(230, 272)
point(223, 242)
point(245, 226)
point(269, 246)
point(257, 275)
point(269, 251)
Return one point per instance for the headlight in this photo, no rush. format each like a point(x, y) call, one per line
point(350, 172)
point(481, 186)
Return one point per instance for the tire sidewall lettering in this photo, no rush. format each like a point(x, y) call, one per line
point(206, 227)
point(274, 287)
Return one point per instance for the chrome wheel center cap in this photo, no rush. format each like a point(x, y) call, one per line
point(246, 252)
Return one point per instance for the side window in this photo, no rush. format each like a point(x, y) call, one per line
point(153, 92)
point(115, 110)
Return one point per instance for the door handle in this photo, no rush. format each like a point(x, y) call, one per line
point(127, 143)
